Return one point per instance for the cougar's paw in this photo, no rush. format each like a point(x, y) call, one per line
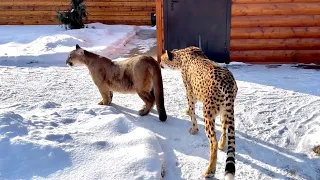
point(193, 130)
point(144, 111)
point(101, 103)
point(104, 102)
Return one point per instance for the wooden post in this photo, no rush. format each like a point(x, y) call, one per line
point(159, 24)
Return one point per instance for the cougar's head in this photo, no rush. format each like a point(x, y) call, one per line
point(76, 56)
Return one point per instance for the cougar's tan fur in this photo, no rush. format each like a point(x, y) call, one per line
point(140, 74)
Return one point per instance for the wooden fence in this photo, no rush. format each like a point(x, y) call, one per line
point(275, 31)
point(32, 12)
point(261, 30)
point(268, 31)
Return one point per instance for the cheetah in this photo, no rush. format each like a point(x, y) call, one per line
point(216, 88)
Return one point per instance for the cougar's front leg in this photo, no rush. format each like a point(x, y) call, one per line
point(107, 96)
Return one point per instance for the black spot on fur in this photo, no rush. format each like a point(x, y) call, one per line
point(231, 128)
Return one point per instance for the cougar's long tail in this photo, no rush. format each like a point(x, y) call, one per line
point(158, 93)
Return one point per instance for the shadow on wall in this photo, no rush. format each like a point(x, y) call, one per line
point(290, 163)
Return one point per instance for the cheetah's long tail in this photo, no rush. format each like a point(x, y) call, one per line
point(230, 168)
point(229, 176)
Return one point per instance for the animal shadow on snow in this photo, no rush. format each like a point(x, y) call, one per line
point(175, 134)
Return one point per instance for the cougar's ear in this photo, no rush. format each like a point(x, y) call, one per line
point(77, 47)
point(80, 51)
point(170, 55)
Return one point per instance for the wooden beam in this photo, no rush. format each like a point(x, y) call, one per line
point(160, 29)
point(271, 1)
point(276, 21)
point(275, 9)
point(275, 44)
point(275, 32)
point(67, 3)
point(276, 56)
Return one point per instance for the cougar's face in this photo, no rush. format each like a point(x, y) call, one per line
point(74, 58)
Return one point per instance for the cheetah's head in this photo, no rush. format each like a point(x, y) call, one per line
point(171, 59)
point(76, 57)
point(177, 57)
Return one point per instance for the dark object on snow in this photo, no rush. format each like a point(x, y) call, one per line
point(73, 18)
point(316, 149)
point(153, 19)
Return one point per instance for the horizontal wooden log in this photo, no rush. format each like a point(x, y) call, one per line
point(276, 56)
point(55, 22)
point(275, 44)
point(90, 18)
point(271, 1)
point(275, 9)
point(64, 3)
point(91, 13)
point(115, 18)
point(126, 22)
point(276, 21)
point(89, 9)
point(275, 32)
point(68, 1)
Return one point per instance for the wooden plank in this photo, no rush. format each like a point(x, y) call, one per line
point(30, 22)
point(33, 8)
point(276, 56)
point(89, 9)
point(275, 44)
point(159, 26)
point(275, 9)
point(120, 13)
point(121, 8)
point(90, 18)
point(59, 3)
point(276, 21)
point(275, 32)
point(94, 13)
point(271, 1)
point(91, 1)
point(55, 22)
point(126, 22)
point(135, 18)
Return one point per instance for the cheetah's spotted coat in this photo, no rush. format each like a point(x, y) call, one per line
point(216, 88)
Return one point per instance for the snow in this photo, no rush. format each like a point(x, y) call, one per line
point(52, 128)
point(69, 142)
point(49, 44)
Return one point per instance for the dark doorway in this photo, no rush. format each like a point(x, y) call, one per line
point(202, 23)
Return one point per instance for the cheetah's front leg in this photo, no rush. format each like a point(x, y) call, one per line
point(191, 102)
point(191, 111)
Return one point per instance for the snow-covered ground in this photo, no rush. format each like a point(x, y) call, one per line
point(52, 128)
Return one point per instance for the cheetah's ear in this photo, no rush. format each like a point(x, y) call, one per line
point(170, 55)
point(77, 46)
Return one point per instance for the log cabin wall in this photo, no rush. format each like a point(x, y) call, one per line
point(36, 12)
point(275, 31)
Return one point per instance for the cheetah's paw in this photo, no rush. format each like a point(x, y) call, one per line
point(193, 131)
